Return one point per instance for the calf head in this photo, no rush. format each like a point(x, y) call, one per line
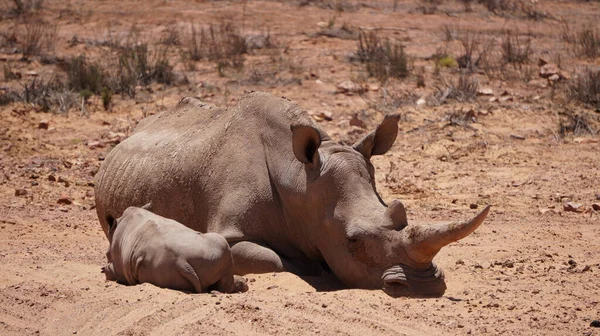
point(366, 243)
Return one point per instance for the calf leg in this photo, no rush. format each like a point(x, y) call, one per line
point(250, 257)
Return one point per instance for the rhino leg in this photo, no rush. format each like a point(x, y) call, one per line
point(189, 273)
point(250, 257)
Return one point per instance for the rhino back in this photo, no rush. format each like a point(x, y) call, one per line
point(207, 168)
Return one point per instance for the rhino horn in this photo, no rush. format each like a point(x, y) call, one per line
point(426, 241)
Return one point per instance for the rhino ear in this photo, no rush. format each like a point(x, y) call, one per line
point(305, 142)
point(381, 139)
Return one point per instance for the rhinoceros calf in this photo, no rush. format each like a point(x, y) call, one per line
point(145, 247)
point(284, 194)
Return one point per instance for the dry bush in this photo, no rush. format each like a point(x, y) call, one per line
point(383, 59)
point(24, 7)
point(463, 89)
point(575, 124)
point(137, 65)
point(84, 75)
point(585, 87)
point(8, 72)
point(38, 93)
point(171, 35)
point(515, 49)
point(496, 6)
point(467, 4)
point(473, 50)
point(429, 7)
point(531, 12)
point(219, 43)
point(588, 42)
point(37, 36)
point(450, 32)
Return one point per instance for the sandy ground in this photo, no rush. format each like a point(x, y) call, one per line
point(531, 269)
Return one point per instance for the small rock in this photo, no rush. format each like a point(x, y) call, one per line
point(598, 197)
point(318, 81)
point(20, 192)
point(554, 78)
point(322, 24)
point(95, 144)
point(63, 180)
point(595, 324)
point(473, 206)
point(64, 199)
point(485, 92)
point(548, 70)
point(31, 73)
point(421, 101)
point(584, 140)
point(43, 124)
point(373, 87)
point(596, 206)
point(572, 206)
point(542, 62)
point(272, 287)
point(52, 178)
point(324, 305)
point(349, 88)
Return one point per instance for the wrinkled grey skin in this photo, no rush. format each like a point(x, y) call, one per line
point(145, 247)
point(284, 195)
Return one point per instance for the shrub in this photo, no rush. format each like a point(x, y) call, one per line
point(447, 62)
point(585, 87)
point(37, 36)
point(515, 49)
point(382, 59)
point(83, 75)
point(220, 43)
point(588, 42)
point(106, 95)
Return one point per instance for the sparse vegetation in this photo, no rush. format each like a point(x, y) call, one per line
point(221, 44)
point(429, 7)
point(472, 50)
point(383, 59)
point(447, 62)
point(462, 90)
point(588, 41)
point(575, 124)
point(37, 36)
point(515, 49)
point(23, 7)
point(585, 87)
point(84, 75)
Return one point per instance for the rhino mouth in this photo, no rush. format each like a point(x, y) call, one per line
point(402, 280)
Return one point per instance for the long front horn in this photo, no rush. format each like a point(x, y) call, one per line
point(424, 242)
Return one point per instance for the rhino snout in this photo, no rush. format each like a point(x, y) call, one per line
point(402, 280)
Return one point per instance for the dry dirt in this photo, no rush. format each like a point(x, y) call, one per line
point(532, 268)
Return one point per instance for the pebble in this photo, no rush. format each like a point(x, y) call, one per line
point(64, 199)
point(473, 206)
point(596, 206)
point(20, 192)
point(572, 206)
point(595, 324)
point(44, 124)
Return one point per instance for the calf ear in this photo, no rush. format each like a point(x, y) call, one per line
point(305, 142)
point(381, 139)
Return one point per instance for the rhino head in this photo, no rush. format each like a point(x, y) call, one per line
point(366, 243)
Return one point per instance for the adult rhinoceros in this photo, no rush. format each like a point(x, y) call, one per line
point(280, 190)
